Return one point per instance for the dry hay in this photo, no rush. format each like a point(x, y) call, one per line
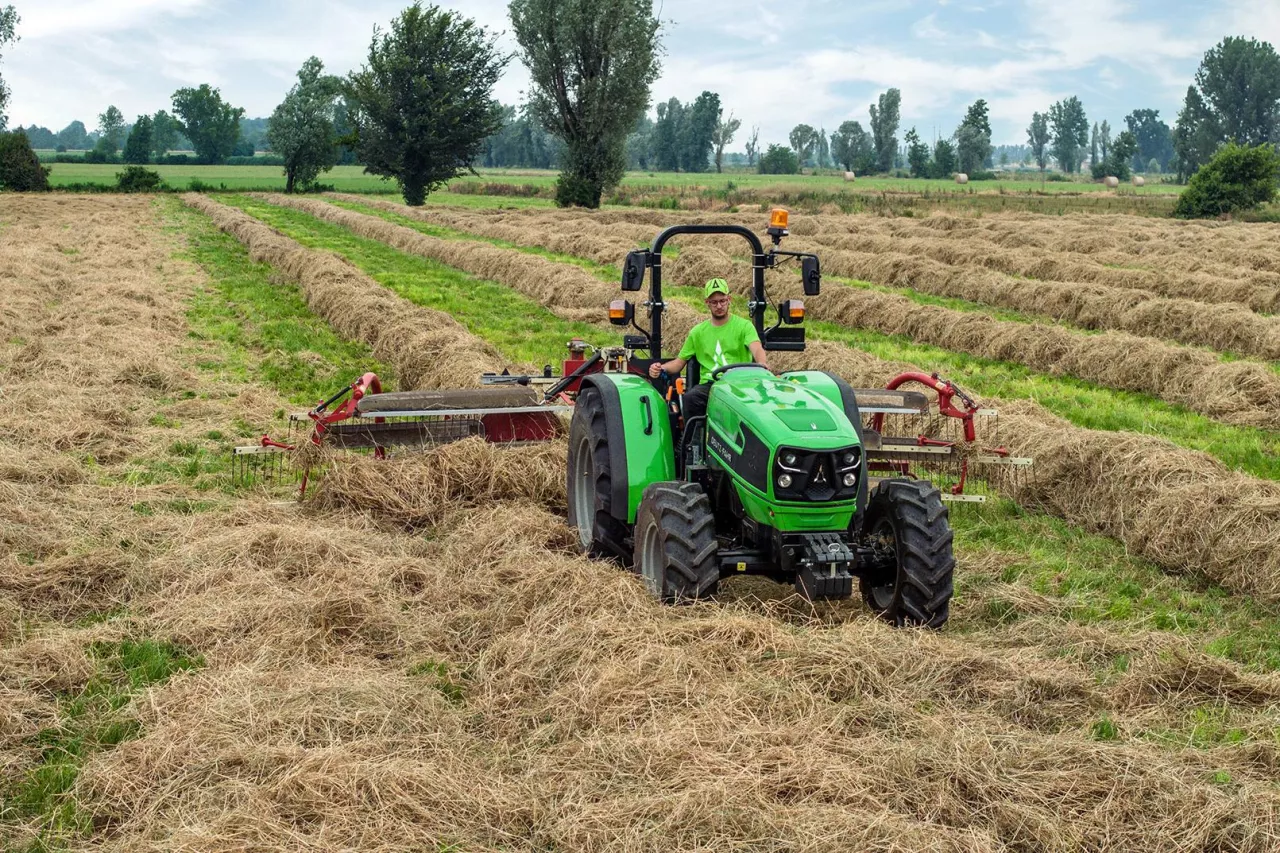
point(425, 347)
point(474, 685)
point(559, 706)
point(419, 490)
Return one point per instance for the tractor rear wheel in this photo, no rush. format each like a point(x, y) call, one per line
point(906, 521)
point(676, 542)
point(590, 482)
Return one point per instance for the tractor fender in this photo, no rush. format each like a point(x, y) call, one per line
point(641, 446)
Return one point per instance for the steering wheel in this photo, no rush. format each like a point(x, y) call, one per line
point(719, 371)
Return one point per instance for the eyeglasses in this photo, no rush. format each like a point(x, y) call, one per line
point(717, 301)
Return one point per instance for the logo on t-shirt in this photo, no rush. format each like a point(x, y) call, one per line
point(719, 360)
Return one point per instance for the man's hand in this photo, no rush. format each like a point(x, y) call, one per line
point(655, 370)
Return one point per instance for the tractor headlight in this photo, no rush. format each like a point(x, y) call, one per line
point(850, 458)
point(850, 480)
point(789, 460)
point(785, 481)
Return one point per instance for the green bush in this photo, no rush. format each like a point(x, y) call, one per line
point(1057, 178)
point(779, 160)
point(20, 168)
point(1238, 178)
point(136, 179)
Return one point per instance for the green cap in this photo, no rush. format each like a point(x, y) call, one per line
point(715, 285)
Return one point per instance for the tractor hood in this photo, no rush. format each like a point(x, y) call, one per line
point(802, 409)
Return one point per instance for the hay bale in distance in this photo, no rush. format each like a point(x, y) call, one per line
point(1139, 181)
point(1112, 181)
point(962, 178)
point(850, 176)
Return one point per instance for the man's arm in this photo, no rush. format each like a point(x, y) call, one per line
point(758, 354)
point(672, 367)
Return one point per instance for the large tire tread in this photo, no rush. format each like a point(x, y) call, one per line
point(923, 538)
point(608, 535)
point(687, 539)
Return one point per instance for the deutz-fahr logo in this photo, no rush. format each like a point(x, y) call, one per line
point(716, 444)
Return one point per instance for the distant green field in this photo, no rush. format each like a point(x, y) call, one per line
point(353, 179)
point(832, 182)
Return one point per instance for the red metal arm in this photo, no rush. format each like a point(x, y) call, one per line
point(946, 391)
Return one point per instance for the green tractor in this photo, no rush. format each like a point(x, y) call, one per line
point(775, 480)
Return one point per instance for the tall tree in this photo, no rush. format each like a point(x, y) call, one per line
point(917, 154)
point(852, 148)
point(212, 125)
point(301, 127)
point(137, 150)
point(74, 136)
point(697, 132)
point(725, 130)
point(803, 138)
point(424, 101)
point(8, 35)
point(1104, 139)
point(1155, 139)
point(110, 129)
point(1070, 130)
point(884, 128)
point(1196, 135)
point(1093, 145)
point(973, 138)
point(1038, 140)
point(1239, 81)
point(164, 133)
point(591, 63)
point(640, 144)
point(667, 133)
point(822, 149)
point(753, 145)
point(944, 158)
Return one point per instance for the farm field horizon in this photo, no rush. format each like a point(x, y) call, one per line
point(415, 657)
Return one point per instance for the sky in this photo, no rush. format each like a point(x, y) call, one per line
point(773, 64)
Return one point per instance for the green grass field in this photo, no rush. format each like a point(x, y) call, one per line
point(354, 179)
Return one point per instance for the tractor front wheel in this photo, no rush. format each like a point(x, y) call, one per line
point(906, 523)
point(676, 544)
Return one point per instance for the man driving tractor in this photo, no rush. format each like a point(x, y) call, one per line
point(723, 339)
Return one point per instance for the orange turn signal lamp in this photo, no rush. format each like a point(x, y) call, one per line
point(791, 311)
point(621, 312)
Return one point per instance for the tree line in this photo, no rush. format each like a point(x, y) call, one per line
point(421, 110)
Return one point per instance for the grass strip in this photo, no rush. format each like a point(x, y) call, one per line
point(90, 720)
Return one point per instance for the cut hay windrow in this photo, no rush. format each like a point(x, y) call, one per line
point(1224, 327)
point(1234, 392)
point(1227, 328)
point(556, 286)
point(1241, 556)
point(425, 347)
point(595, 241)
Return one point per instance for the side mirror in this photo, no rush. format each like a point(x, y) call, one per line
point(621, 312)
point(633, 270)
point(810, 275)
point(791, 311)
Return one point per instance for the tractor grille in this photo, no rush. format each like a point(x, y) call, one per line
point(817, 475)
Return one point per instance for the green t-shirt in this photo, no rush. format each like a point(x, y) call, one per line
point(716, 346)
